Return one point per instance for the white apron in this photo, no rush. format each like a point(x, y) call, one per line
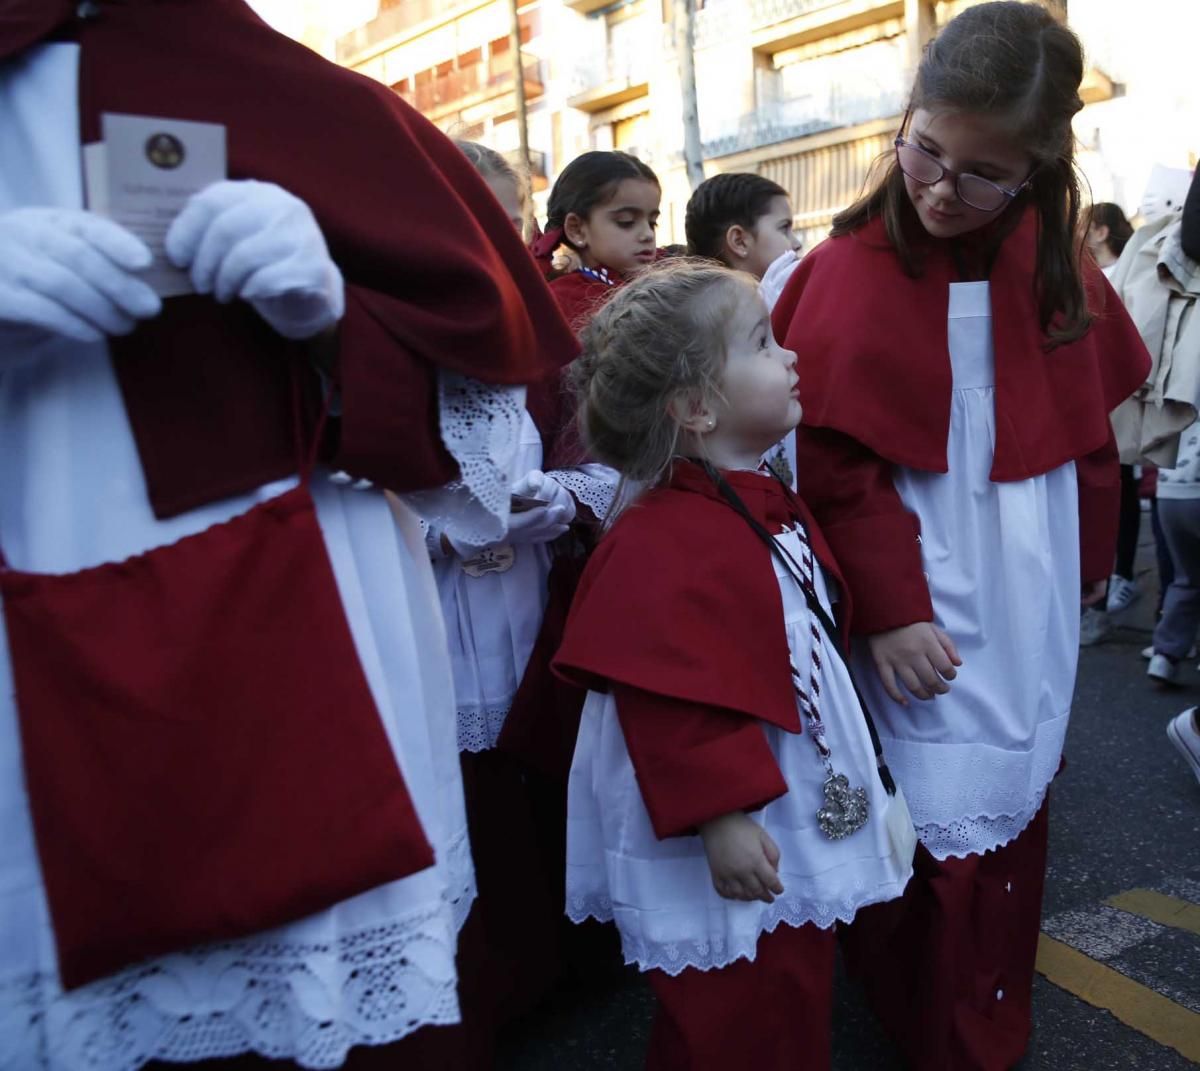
point(1002, 560)
point(371, 969)
point(660, 892)
point(492, 621)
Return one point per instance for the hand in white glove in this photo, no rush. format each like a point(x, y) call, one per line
point(541, 523)
point(255, 241)
point(68, 272)
point(776, 277)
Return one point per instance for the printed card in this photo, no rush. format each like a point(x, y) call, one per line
point(143, 174)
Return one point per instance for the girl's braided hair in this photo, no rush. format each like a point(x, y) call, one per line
point(660, 336)
point(720, 202)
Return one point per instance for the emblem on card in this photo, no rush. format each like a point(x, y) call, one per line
point(164, 151)
point(490, 560)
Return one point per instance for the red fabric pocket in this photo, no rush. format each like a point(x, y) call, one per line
point(203, 755)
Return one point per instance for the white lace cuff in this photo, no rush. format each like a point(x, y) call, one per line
point(594, 486)
point(481, 427)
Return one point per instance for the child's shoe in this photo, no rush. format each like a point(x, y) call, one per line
point(1122, 594)
point(1162, 669)
point(1094, 626)
point(1181, 731)
point(1148, 653)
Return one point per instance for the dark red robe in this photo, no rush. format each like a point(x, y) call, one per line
point(436, 277)
point(875, 382)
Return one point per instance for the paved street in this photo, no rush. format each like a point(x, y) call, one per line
point(1121, 920)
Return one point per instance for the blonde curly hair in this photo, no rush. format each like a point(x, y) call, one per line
point(661, 336)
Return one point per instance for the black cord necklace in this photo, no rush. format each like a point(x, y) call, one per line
point(845, 809)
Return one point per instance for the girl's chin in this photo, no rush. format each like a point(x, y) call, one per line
point(948, 224)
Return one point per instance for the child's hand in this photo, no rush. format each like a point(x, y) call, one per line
point(742, 857)
point(1093, 593)
point(921, 655)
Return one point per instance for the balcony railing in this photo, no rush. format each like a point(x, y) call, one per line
point(625, 66)
point(392, 20)
point(537, 162)
point(768, 12)
point(726, 20)
point(477, 82)
point(785, 120)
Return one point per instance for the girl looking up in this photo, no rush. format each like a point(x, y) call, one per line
point(959, 358)
point(725, 808)
point(745, 221)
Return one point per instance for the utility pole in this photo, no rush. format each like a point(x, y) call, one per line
point(519, 86)
point(685, 51)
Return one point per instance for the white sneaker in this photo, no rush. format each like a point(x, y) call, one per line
point(1148, 653)
point(1181, 731)
point(1094, 625)
point(1122, 594)
point(1162, 669)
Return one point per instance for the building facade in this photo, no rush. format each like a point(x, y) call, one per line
point(807, 92)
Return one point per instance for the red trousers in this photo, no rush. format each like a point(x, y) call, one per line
point(513, 815)
point(771, 1014)
point(948, 967)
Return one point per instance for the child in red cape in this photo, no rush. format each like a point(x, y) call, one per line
point(959, 358)
point(604, 207)
point(725, 807)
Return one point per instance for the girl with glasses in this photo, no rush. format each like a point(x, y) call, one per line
point(958, 358)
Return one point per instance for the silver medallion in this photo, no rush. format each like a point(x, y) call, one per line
point(845, 809)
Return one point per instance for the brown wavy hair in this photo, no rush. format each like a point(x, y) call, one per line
point(1021, 67)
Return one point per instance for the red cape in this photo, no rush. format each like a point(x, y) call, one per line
point(579, 295)
point(874, 360)
point(549, 402)
point(436, 277)
point(680, 599)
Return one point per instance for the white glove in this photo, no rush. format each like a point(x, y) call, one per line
point(255, 241)
point(541, 523)
point(65, 271)
point(775, 278)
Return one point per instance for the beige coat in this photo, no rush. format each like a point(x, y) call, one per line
point(1159, 284)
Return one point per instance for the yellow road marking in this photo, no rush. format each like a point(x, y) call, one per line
point(1134, 1004)
point(1165, 910)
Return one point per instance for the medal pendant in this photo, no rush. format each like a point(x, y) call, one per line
point(845, 809)
point(491, 560)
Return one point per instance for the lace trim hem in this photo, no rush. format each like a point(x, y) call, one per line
point(480, 427)
point(479, 728)
point(279, 997)
point(951, 786)
point(979, 833)
point(712, 952)
point(460, 890)
point(594, 486)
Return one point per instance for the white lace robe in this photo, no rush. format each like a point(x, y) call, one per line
point(369, 970)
